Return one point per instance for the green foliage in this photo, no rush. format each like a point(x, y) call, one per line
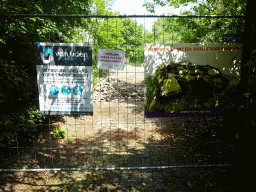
point(134, 39)
point(23, 121)
point(199, 30)
point(247, 94)
point(163, 30)
point(59, 132)
point(70, 139)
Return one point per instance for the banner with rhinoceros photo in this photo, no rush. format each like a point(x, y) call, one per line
point(190, 78)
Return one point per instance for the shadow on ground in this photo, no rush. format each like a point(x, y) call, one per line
point(183, 142)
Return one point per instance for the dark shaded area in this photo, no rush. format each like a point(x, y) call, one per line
point(246, 113)
point(24, 141)
point(185, 141)
point(196, 88)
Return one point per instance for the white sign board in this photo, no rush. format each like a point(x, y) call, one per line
point(64, 77)
point(111, 59)
point(224, 56)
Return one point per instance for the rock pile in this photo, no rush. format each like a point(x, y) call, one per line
point(114, 89)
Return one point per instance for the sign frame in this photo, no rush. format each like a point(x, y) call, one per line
point(64, 77)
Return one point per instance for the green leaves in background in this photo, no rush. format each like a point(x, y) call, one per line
point(198, 30)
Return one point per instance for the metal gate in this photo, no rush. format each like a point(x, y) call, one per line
point(118, 148)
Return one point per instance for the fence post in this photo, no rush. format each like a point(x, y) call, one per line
point(245, 145)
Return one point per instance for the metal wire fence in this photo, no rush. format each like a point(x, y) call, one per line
point(119, 138)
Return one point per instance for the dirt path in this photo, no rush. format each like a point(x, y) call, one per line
point(117, 135)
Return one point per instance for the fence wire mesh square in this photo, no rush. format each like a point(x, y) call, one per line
point(118, 146)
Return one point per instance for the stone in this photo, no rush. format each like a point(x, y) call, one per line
point(116, 90)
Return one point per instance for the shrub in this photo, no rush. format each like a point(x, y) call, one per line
point(20, 123)
point(59, 132)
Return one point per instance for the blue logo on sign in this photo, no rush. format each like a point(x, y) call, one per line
point(77, 90)
point(65, 90)
point(49, 51)
point(54, 90)
point(46, 55)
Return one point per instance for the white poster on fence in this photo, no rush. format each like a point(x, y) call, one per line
point(111, 59)
point(225, 56)
point(64, 76)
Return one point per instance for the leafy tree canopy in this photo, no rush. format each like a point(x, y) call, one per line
point(198, 30)
point(212, 7)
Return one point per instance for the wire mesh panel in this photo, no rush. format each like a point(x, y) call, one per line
point(118, 142)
